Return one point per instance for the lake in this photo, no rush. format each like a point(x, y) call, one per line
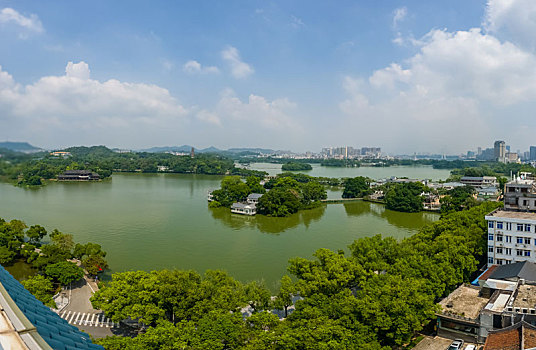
point(412, 172)
point(154, 221)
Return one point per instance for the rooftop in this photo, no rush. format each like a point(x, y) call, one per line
point(525, 270)
point(512, 215)
point(519, 336)
point(526, 297)
point(464, 301)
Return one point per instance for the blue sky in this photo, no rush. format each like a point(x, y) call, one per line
point(409, 76)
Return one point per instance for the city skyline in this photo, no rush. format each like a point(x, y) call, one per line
point(397, 75)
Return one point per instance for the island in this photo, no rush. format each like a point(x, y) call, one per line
point(296, 166)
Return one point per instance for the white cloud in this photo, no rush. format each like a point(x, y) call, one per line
point(77, 70)
point(194, 67)
point(296, 22)
point(455, 92)
point(30, 24)
point(75, 107)
point(399, 15)
point(513, 20)
point(239, 69)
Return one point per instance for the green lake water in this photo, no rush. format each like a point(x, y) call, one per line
point(154, 221)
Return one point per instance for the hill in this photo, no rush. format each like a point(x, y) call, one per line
point(24, 147)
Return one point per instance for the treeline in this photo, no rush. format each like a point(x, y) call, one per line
point(31, 170)
point(377, 297)
point(296, 166)
point(20, 242)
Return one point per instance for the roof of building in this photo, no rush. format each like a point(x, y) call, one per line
point(255, 196)
point(519, 336)
point(500, 284)
point(464, 301)
point(37, 325)
point(477, 178)
point(512, 215)
point(525, 270)
point(526, 297)
point(485, 275)
point(239, 205)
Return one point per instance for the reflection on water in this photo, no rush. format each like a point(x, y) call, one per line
point(412, 221)
point(268, 224)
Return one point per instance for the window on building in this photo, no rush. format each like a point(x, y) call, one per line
point(490, 249)
point(499, 238)
point(520, 227)
point(509, 226)
point(519, 252)
point(527, 253)
point(507, 251)
point(490, 224)
point(519, 240)
point(499, 261)
point(527, 240)
point(527, 227)
point(499, 250)
point(490, 260)
point(499, 225)
point(508, 239)
point(490, 237)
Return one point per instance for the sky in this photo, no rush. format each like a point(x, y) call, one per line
point(407, 76)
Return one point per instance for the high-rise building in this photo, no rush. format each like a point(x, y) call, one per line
point(499, 150)
point(532, 152)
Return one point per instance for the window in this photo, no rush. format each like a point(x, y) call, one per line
point(526, 252)
point(508, 239)
point(490, 260)
point(499, 225)
point(520, 227)
point(507, 251)
point(490, 237)
point(519, 252)
point(527, 227)
point(499, 261)
point(500, 238)
point(519, 240)
point(527, 240)
point(499, 250)
point(490, 249)
point(490, 224)
point(509, 226)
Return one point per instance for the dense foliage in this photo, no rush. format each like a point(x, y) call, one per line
point(18, 242)
point(405, 197)
point(233, 189)
point(356, 187)
point(375, 298)
point(295, 166)
point(287, 196)
point(30, 170)
point(340, 162)
point(458, 198)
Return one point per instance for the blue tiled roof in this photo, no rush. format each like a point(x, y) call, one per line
point(54, 330)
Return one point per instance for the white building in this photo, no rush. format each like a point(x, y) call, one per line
point(511, 237)
point(244, 209)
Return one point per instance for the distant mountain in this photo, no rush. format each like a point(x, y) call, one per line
point(210, 149)
point(24, 147)
point(253, 150)
point(183, 148)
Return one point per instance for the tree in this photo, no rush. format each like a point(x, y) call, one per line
point(356, 187)
point(254, 184)
point(257, 295)
point(405, 197)
point(42, 288)
point(232, 190)
point(94, 264)
point(296, 166)
point(312, 192)
point(6, 255)
point(279, 202)
point(35, 234)
point(64, 272)
point(284, 297)
point(63, 241)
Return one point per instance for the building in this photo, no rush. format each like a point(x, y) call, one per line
point(253, 198)
point(521, 335)
point(532, 151)
point(499, 151)
point(78, 175)
point(479, 181)
point(60, 154)
point(511, 237)
point(26, 323)
point(520, 194)
point(244, 208)
point(490, 193)
point(499, 299)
